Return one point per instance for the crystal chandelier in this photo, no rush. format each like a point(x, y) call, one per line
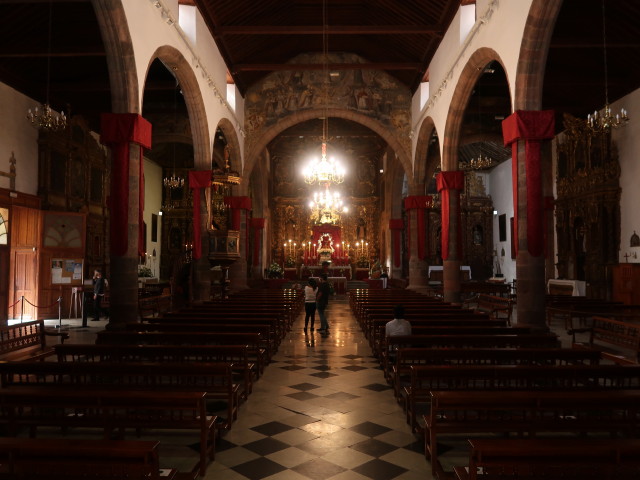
point(325, 171)
point(174, 182)
point(326, 207)
point(601, 122)
point(43, 117)
point(481, 162)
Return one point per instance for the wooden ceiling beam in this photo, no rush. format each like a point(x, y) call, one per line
point(267, 67)
point(331, 30)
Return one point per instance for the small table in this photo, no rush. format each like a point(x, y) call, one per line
point(577, 287)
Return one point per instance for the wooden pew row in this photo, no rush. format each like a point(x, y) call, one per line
point(613, 332)
point(428, 378)
point(27, 341)
point(373, 308)
point(528, 411)
point(268, 343)
point(405, 358)
point(244, 370)
point(566, 458)
point(357, 296)
point(254, 341)
point(74, 459)
point(277, 326)
point(392, 344)
point(109, 410)
point(216, 379)
point(494, 306)
point(285, 315)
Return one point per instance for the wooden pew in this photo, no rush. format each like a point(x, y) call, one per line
point(494, 306)
point(238, 355)
point(109, 410)
point(27, 341)
point(75, 459)
point(613, 332)
point(428, 378)
point(216, 379)
point(254, 341)
point(528, 411)
point(566, 458)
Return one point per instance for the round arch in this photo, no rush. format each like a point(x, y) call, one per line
point(193, 99)
point(423, 164)
point(123, 77)
point(533, 54)
point(467, 81)
point(302, 116)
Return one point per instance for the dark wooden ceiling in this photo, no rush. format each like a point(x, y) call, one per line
point(257, 37)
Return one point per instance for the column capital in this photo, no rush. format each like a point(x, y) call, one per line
point(528, 125)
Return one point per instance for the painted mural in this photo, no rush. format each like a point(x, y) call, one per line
point(369, 92)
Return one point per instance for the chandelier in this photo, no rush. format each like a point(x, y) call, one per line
point(325, 171)
point(481, 162)
point(43, 117)
point(326, 207)
point(601, 122)
point(174, 182)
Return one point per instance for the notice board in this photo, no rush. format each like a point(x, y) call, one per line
point(67, 271)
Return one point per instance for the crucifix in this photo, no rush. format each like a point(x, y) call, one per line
point(626, 257)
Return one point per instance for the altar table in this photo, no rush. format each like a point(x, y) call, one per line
point(558, 287)
point(333, 271)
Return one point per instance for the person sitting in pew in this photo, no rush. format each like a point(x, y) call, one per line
point(397, 326)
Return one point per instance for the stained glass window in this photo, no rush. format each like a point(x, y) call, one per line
point(4, 226)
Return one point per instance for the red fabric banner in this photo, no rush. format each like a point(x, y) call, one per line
point(258, 225)
point(532, 127)
point(419, 202)
point(447, 181)
point(236, 204)
point(117, 131)
point(198, 179)
point(396, 225)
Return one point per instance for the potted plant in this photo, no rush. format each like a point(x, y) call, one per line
point(274, 271)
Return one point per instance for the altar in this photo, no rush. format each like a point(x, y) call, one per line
point(332, 271)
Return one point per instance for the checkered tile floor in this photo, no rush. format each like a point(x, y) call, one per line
point(321, 411)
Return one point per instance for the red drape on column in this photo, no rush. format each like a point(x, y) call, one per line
point(258, 225)
point(447, 181)
point(396, 225)
point(419, 202)
point(118, 130)
point(198, 179)
point(532, 127)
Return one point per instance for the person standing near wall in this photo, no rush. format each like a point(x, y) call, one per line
point(98, 294)
point(322, 300)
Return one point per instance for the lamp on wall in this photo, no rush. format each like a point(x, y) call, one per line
point(43, 117)
point(605, 120)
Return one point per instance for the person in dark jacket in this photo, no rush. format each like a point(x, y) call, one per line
point(322, 300)
point(98, 295)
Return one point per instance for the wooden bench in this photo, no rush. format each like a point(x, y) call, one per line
point(612, 332)
point(74, 459)
point(494, 306)
point(529, 411)
point(566, 458)
point(27, 341)
point(400, 374)
point(109, 410)
point(216, 379)
point(238, 355)
point(428, 378)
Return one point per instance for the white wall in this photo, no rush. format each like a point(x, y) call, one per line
point(19, 137)
point(153, 204)
point(499, 187)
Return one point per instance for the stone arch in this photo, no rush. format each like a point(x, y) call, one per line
point(533, 54)
point(467, 81)
point(301, 116)
point(194, 101)
point(121, 62)
point(421, 163)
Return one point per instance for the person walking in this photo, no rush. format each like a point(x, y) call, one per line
point(310, 292)
point(322, 300)
point(98, 294)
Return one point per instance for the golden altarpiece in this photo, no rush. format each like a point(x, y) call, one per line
point(587, 206)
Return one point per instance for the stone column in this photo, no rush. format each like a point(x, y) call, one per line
point(525, 131)
point(200, 268)
point(240, 207)
point(257, 266)
point(126, 134)
point(415, 206)
point(449, 186)
point(396, 225)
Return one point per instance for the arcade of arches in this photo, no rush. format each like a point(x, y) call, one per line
point(176, 173)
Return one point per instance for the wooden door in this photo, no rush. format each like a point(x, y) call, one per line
point(25, 283)
point(4, 283)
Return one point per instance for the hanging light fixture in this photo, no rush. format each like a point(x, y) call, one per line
point(599, 122)
point(174, 181)
point(43, 117)
point(326, 170)
point(482, 161)
point(327, 207)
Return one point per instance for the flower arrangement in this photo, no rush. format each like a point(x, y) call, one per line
point(144, 271)
point(274, 271)
point(290, 262)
